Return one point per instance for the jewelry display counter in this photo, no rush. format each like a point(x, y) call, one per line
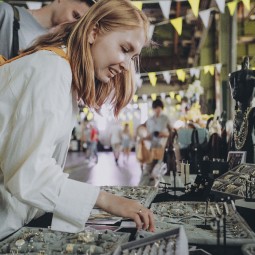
point(200, 221)
point(43, 241)
point(248, 249)
point(170, 242)
point(238, 182)
point(208, 225)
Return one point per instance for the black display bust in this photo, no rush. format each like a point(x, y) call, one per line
point(242, 84)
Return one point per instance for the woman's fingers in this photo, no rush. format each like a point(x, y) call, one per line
point(145, 219)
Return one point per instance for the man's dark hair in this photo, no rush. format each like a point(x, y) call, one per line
point(157, 103)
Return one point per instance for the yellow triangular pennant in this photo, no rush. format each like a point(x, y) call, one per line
point(177, 24)
point(247, 4)
point(181, 74)
point(153, 96)
point(232, 7)
point(194, 6)
point(153, 78)
point(172, 95)
point(138, 4)
point(135, 98)
point(209, 69)
point(178, 98)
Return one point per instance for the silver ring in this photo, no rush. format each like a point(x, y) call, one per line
point(140, 211)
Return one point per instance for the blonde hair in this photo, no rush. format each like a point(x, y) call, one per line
point(107, 15)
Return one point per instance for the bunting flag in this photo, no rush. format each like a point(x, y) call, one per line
point(153, 78)
point(177, 24)
point(181, 75)
point(221, 5)
point(195, 72)
point(165, 8)
point(163, 95)
point(135, 98)
point(167, 77)
point(138, 4)
point(85, 110)
point(232, 7)
point(138, 80)
point(151, 31)
point(247, 4)
point(144, 97)
point(194, 6)
point(218, 67)
point(178, 98)
point(33, 5)
point(153, 96)
point(172, 95)
point(209, 69)
point(205, 17)
point(90, 116)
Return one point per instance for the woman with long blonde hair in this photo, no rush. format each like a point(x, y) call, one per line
point(91, 60)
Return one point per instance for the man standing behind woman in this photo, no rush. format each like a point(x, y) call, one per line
point(38, 108)
point(33, 23)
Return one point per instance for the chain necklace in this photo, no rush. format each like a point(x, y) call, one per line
point(241, 135)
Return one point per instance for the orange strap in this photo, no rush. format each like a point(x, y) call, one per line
point(58, 51)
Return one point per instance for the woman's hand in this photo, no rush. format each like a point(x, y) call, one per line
point(127, 208)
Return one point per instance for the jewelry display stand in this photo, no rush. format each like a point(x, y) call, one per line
point(199, 222)
point(238, 182)
point(43, 241)
point(170, 242)
point(248, 249)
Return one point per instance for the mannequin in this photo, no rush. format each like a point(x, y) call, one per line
point(242, 85)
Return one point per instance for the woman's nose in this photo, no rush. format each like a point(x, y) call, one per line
point(126, 63)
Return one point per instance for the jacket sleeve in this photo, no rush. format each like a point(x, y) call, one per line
point(6, 28)
point(31, 174)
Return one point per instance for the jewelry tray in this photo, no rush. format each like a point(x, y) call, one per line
point(144, 194)
point(234, 181)
point(248, 249)
point(169, 242)
point(43, 241)
point(200, 225)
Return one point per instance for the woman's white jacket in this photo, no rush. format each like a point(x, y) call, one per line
point(37, 114)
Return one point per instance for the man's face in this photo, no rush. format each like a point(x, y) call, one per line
point(113, 52)
point(157, 110)
point(68, 11)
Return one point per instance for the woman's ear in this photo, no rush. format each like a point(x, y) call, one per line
point(92, 35)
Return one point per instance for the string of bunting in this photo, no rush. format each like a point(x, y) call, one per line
point(204, 14)
point(180, 73)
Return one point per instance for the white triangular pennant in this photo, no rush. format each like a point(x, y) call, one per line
point(194, 72)
point(151, 31)
point(167, 77)
point(165, 8)
point(218, 67)
point(197, 73)
point(138, 81)
point(221, 5)
point(205, 16)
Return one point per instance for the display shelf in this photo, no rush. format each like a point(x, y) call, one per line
point(238, 182)
point(248, 249)
point(199, 222)
point(43, 241)
point(144, 194)
point(169, 242)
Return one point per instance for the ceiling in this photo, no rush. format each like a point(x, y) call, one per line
point(173, 51)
